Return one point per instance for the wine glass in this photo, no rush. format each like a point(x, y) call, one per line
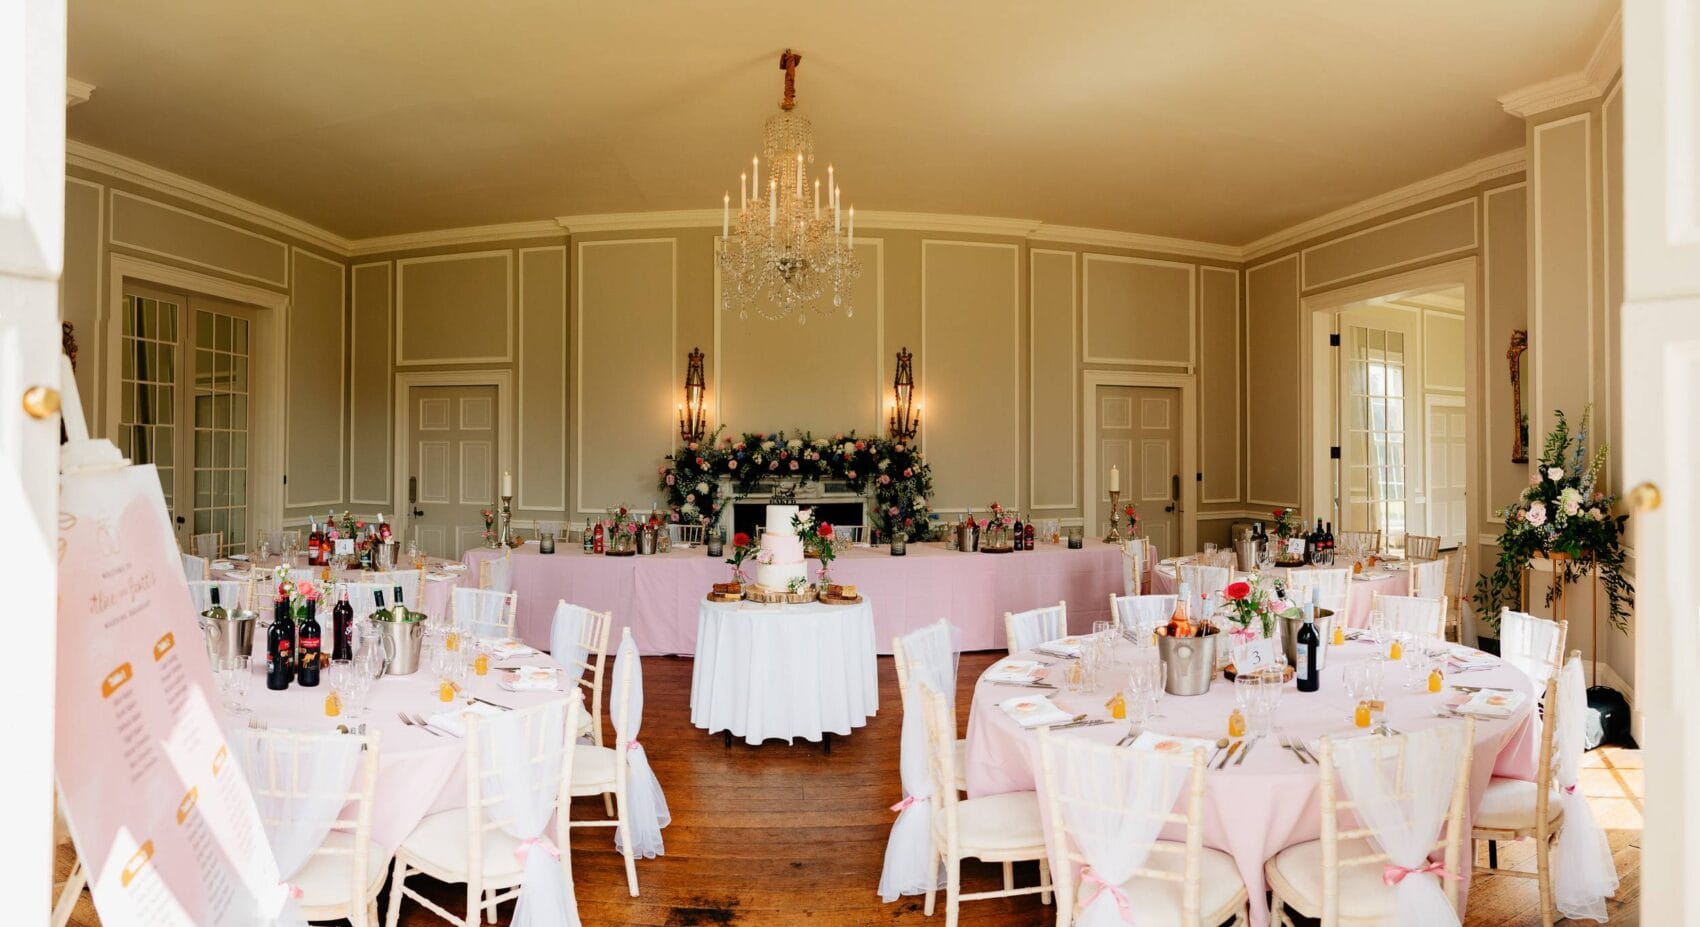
point(1354, 678)
point(235, 673)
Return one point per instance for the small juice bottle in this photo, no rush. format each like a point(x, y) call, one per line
point(1117, 706)
point(1434, 680)
point(445, 691)
point(1361, 716)
point(333, 704)
point(1339, 635)
point(452, 641)
point(481, 664)
point(1395, 651)
point(1236, 724)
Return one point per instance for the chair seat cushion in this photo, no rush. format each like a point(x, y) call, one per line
point(1509, 804)
point(593, 770)
point(999, 823)
point(325, 880)
point(438, 845)
point(1362, 893)
point(1158, 901)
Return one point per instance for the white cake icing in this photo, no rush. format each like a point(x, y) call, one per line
point(780, 557)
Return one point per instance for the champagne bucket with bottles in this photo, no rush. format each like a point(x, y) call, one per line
point(402, 641)
point(230, 635)
point(384, 555)
point(1290, 625)
point(1189, 663)
point(1246, 552)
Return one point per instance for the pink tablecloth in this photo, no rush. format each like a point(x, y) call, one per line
point(657, 595)
point(1365, 587)
point(1271, 802)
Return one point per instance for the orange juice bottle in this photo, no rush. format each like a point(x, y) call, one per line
point(333, 704)
point(445, 691)
point(1236, 723)
point(1118, 707)
point(1361, 716)
point(1434, 680)
point(1339, 635)
point(481, 664)
point(452, 641)
point(1395, 651)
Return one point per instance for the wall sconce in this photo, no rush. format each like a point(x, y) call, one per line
point(906, 412)
point(693, 416)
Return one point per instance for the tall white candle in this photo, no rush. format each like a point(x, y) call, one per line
point(1115, 480)
point(831, 188)
point(507, 483)
point(743, 195)
point(772, 201)
point(817, 198)
point(726, 216)
point(755, 176)
point(799, 175)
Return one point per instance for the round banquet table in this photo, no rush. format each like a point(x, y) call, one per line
point(1365, 587)
point(1271, 801)
point(784, 671)
point(441, 577)
point(419, 773)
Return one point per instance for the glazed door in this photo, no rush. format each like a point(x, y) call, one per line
point(452, 444)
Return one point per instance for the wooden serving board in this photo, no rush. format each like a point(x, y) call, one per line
point(766, 596)
point(826, 599)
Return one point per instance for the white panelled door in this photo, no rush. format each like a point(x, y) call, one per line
point(452, 455)
point(1139, 433)
point(1448, 466)
point(1660, 360)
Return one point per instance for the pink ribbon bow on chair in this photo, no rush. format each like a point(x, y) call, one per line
point(631, 745)
point(541, 843)
point(906, 802)
point(1120, 897)
point(1393, 875)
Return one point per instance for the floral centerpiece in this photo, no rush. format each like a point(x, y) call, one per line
point(1562, 516)
point(1286, 522)
point(996, 535)
point(489, 527)
point(621, 532)
point(1131, 513)
point(742, 549)
point(817, 541)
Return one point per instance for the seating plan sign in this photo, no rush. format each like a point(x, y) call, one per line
point(162, 817)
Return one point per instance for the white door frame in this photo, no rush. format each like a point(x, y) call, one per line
point(1317, 312)
point(1187, 384)
point(267, 449)
point(405, 381)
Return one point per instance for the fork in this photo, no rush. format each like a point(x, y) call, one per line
point(419, 719)
point(412, 723)
point(1287, 742)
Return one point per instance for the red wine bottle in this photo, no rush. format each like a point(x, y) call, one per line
point(1307, 674)
point(342, 629)
point(280, 645)
point(311, 648)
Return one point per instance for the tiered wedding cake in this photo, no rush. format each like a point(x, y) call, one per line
point(780, 559)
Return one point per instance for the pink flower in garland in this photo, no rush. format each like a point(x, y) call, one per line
point(774, 465)
point(850, 474)
point(892, 511)
point(731, 465)
point(885, 479)
point(861, 445)
point(908, 473)
point(670, 480)
point(793, 465)
point(701, 463)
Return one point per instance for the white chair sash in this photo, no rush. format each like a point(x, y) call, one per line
point(1405, 818)
point(910, 866)
point(1529, 643)
point(1207, 583)
point(1333, 587)
point(1423, 617)
point(1034, 627)
point(300, 784)
point(194, 568)
point(483, 613)
point(1428, 578)
point(229, 594)
point(1583, 873)
point(1113, 805)
point(566, 635)
point(524, 748)
point(1139, 615)
point(646, 804)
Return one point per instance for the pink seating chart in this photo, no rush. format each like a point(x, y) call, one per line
point(162, 818)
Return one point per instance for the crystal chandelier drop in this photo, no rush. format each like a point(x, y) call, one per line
point(785, 248)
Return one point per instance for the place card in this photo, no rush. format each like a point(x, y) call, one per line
point(1255, 655)
point(1295, 547)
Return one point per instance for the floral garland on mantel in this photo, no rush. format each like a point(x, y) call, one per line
point(899, 475)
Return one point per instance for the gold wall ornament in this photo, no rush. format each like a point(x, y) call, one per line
point(1520, 424)
point(693, 413)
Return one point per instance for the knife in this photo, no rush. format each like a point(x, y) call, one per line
point(1247, 751)
point(1230, 754)
point(1092, 723)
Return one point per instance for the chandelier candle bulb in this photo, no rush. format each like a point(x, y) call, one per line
point(772, 202)
point(817, 199)
point(743, 194)
point(755, 174)
point(851, 233)
point(799, 175)
point(726, 216)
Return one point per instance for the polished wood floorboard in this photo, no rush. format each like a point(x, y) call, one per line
point(785, 834)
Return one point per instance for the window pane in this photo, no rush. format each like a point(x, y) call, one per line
point(238, 449)
point(221, 332)
point(221, 411)
point(164, 451)
point(239, 375)
point(239, 336)
point(239, 413)
point(168, 323)
point(203, 521)
point(203, 330)
point(129, 315)
point(238, 488)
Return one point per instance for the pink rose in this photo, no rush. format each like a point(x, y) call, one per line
point(692, 446)
point(731, 465)
point(701, 462)
point(850, 473)
point(861, 445)
point(885, 479)
point(907, 473)
point(793, 465)
point(892, 511)
point(670, 479)
point(774, 465)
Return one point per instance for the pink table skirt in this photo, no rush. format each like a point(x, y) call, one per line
point(1364, 591)
point(1253, 811)
point(657, 596)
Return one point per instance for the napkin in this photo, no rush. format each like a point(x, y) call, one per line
point(437, 577)
point(241, 557)
point(1016, 671)
point(1032, 711)
point(1491, 704)
point(1170, 743)
point(509, 647)
point(223, 564)
point(1062, 646)
point(452, 567)
point(451, 722)
point(1464, 656)
point(1367, 577)
point(530, 679)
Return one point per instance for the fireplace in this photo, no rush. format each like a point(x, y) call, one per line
point(831, 503)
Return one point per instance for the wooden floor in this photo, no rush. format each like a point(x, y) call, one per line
point(786, 835)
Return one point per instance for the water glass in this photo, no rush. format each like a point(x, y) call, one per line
point(1355, 679)
point(235, 675)
point(1209, 552)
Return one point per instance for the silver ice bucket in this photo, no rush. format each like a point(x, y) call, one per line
point(1189, 663)
point(230, 636)
point(1245, 555)
point(402, 642)
point(1290, 637)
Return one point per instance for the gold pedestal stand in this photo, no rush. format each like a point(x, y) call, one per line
point(1114, 536)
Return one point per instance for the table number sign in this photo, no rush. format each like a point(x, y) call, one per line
point(345, 547)
point(1254, 655)
point(162, 818)
point(1295, 547)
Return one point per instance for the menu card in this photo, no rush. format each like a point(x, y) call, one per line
point(162, 817)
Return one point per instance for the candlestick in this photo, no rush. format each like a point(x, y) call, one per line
point(505, 537)
point(1114, 536)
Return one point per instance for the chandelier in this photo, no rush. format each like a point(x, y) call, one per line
point(784, 250)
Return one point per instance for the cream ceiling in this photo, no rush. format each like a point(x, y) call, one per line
point(1215, 120)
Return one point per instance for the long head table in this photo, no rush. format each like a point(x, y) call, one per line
point(657, 595)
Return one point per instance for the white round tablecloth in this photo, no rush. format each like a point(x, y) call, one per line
point(784, 671)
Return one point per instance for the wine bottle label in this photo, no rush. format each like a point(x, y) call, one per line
point(309, 643)
point(1301, 667)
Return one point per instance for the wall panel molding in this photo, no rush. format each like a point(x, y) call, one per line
point(1191, 361)
point(1207, 464)
point(537, 355)
point(1540, 342)
point(1254, 495)
point(402, 359)
point(1306, 255)
point(256, 269)
point(296, 363)
point(1034, 377)
point(362, 418)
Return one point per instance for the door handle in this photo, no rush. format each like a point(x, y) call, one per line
point(412, 489)
point(418, 513)
point(1174, 494)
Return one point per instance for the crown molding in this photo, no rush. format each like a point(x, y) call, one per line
point(475, 234)
point(1134, 241)
point(1579, 87)
point(633, 221)
point(872, 219)
point(81, 154)
point(77, 91)
point(1456, 180)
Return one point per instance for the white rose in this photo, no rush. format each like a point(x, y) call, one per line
point(1555, 473)
point(1538, 514)
point(702, 488)
point(793, 444)
point(767, 445)
point(920, 502)
point(884, 463)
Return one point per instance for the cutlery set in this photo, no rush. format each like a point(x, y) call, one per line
point(1299, 750)
point(420, 722)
